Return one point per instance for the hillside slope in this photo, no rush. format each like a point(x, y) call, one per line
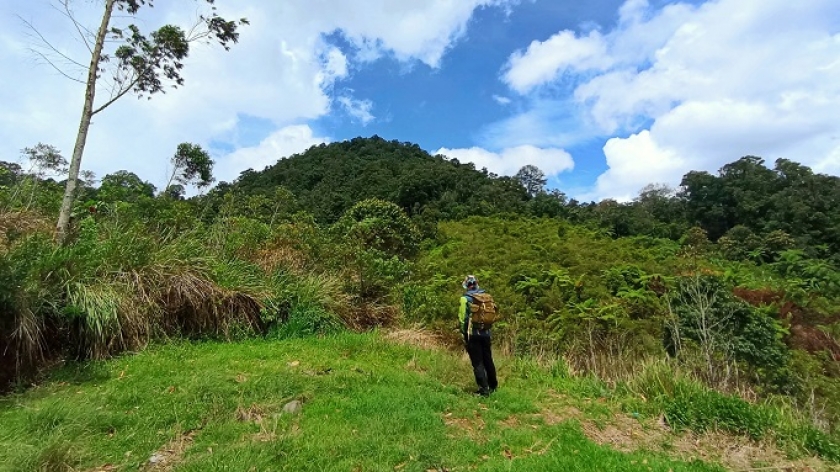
point(328, 179)
point(367, 404)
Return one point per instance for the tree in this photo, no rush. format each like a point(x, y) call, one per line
point(174, 192)
point(10, 172)
point(532, 178)
point(124, 186)
point(550, 204)
point(43, 159)
point(377, 239)
point(191, 164)
point(708, 203)
point(140, 63)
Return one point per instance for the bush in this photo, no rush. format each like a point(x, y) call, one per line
point(693, 406)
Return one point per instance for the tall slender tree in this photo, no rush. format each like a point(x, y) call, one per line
point(142, 64)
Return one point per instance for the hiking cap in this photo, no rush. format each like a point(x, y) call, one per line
point(469, 282)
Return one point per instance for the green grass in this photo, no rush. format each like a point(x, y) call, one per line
point(368, 405)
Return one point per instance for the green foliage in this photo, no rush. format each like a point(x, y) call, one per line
point(329, 179)
point(532, 178)
point(302, 306)
point(696, 240)
point(151, 59)
point(236, 237)
point(789, 198)
point(688, 404)
point(727, 328)
point(124, 186)
point(810, 275)
point(428, 301)
point(548, 204)
point(376, 238)
point(338, 245)
point(695, 407)
point(191, 165)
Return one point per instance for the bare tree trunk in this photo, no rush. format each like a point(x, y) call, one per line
point(81, 138)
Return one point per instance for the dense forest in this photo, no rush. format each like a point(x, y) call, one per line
point(731, 280)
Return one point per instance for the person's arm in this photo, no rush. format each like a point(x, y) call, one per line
point(463, 318)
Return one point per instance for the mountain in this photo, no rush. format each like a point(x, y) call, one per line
point(329, 178)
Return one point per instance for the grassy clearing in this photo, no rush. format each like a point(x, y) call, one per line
point(368, 404)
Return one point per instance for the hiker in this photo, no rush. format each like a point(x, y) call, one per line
point(476, 315)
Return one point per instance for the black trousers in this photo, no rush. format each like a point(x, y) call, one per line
point(481, 357)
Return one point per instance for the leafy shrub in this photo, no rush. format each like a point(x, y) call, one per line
point(812, 440)
point(303, 321)
point(302, 305)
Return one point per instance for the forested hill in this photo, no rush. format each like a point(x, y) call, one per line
point(328, 179)
point(748, 206)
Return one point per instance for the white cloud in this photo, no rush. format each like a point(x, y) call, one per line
point(281, 144)
point(509, 161)
point(283, 70)
point(679, 141)
point(502, 100)
point(408, 29)
point(358, 109)
point(695, 87)
point(544, 61)
point(632, 160)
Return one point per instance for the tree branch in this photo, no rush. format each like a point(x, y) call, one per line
point(49, 45)
point(57, 69)
point(116, 97)
point(79, 27)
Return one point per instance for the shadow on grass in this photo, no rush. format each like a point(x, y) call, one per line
point(79, 373)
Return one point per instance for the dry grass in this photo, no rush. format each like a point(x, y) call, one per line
point(191, 303)
point(627, 433)
point(417, 337)
point(170, 455)
point(364, 316)
point(15, 224)
point(285, 257)
point(132, 308)
point(467, 424)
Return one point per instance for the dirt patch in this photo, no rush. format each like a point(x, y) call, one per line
point(417, 337)
point(511, 422)
point(472, 426)
point(556, 416)
point(626, 433)
point(740, 453)
point(253, 413)
point(170, 455)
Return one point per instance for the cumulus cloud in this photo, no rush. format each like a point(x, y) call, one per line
point(696, 86)
point(507, 162)
point(280, 144)
point(543, 61)
point(706, 135)
point(284, 70)
point(358, 109)
point(632, 160)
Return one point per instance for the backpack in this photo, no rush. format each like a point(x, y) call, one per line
point(483, 309)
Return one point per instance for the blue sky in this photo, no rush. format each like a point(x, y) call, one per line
point(605, 96)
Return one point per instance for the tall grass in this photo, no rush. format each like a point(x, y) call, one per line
point(118, 287)
point(686, 402)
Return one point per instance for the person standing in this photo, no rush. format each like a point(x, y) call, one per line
point(476, 315)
